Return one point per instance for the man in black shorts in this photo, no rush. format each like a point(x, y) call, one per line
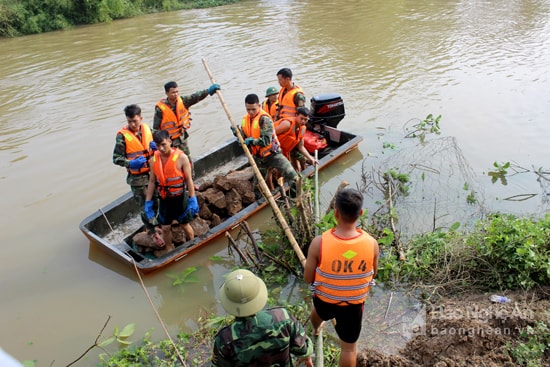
point(341, 264)
point(171, 176)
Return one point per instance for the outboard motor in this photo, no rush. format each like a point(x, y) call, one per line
point(327, 109)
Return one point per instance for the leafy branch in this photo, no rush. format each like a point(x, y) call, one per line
point(117, 335)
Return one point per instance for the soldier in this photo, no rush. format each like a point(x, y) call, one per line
point(134, 145)
point(257, 337)
point(290, 97)
point(290, 133)
point(270, 103)
point(259, 136)
point(172, 114)
point(171, 177)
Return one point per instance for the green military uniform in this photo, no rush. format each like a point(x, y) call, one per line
point(300, 99)
point(138, 183)
point(267, 338)
point(188, 101)
point(276, 159)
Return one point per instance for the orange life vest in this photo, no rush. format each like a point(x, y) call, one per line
point(290, 138)
point(287, 107)
point(252, 130)
point(271, 109)
point(345, 268)
point(172, 122)
point(136, 147)
point(170, 179)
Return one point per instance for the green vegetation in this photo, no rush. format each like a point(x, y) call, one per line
point(187, 276)
point(500, 172)
point(430, 125)
point(22, 17)
point(535, 340)
point(196, 348)
point(501, 252)
point(147, 353)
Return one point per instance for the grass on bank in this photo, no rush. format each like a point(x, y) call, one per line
point(502, 252)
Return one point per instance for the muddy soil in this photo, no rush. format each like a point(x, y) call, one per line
point(468, 331)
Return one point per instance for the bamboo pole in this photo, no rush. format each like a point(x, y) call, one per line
point(263, 186)
point(317, 215)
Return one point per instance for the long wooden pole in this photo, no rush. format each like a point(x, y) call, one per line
point(263, 186)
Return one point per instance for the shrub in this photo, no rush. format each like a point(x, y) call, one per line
point(501, 252)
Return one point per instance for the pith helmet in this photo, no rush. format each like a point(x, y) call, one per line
point(243, 293)
point(270, 91)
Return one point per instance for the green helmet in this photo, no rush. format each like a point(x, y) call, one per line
point(243, 293)
point(270, 91)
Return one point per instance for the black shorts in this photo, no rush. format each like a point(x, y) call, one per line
point(349, 318)
point(173, 208)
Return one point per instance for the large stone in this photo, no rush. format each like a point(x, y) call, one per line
point(205, 186)
point(205, 212)
point(215, 198)
point(222, 183)
point(216, 220)
point(238, 180)
point(200, 226)
point(248, 198)
point(234, 202)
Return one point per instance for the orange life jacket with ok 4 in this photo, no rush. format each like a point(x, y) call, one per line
point(170, 179)
point(136, 147)
point(172, 122)
point(287, 107)
point(345, 268)
point(290, 138)
point(252, 130)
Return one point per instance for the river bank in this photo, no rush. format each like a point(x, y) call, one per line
point(469, 330)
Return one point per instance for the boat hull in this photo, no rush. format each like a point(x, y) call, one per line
point(113, 226)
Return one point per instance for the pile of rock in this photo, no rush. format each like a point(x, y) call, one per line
point(223, 197)
point(218, 199)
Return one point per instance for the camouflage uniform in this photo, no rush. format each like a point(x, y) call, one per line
point(138, 183)
point(264, 339)
point(188, 101)
point(276, 159)
point(300, 99)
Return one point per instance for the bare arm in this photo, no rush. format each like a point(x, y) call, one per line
point(152, 182)
point(302, 149)
point(312, 260)
point(185, 166)
point(282, 127)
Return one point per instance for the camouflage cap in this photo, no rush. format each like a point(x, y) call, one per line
point(243, 293)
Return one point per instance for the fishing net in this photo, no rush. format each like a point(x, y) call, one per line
point(433, 187)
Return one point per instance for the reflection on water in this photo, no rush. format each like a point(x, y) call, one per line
point(482, 65)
